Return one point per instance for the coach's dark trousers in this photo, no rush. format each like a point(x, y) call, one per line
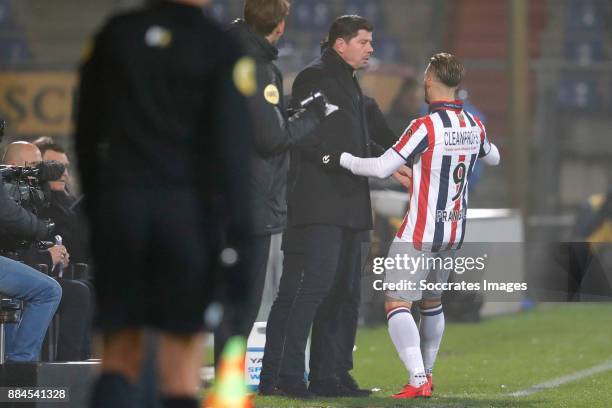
point(320, 287)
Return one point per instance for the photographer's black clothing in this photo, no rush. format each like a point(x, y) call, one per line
point(162, 136)
point(17, 221)
point(275, 133)
point(75, 311)
point(69, 224)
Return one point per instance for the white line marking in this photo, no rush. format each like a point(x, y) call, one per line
point(556, 382)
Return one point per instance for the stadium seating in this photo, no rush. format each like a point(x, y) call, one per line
point(14, 47)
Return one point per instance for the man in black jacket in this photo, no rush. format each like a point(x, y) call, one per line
point(275, 133)
point(329, 220)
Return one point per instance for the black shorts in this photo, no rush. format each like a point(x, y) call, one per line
point(153, 258)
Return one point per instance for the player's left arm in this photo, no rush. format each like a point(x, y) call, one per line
point(489, 153)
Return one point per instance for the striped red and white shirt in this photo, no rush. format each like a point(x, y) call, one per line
point(443, 147)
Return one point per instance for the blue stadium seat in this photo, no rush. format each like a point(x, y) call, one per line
point(579, 94)
point(7, 20)
point(14, 51)
point(370, 9)
point(5, 11)
point(386, 49)
point(311, 14)
point(584, 51)
point(321, 14)
point(587, 14)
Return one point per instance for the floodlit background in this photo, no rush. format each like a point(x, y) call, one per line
point(539, 74)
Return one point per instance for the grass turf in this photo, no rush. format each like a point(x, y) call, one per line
point(479, 363)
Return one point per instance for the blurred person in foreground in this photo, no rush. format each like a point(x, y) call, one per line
point(275, 133)
point(162, 138)
point(443, 147)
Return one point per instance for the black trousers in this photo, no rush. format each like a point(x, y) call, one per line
point(261, 251)
point(75, 320)
point(320, 287)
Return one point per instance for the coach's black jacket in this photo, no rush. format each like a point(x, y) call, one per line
point(275, 133)
point(318, 195)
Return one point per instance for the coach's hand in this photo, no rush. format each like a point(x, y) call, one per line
point(404, 176)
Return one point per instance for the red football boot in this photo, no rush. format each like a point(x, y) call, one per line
point(430, 382)
point(410, 391)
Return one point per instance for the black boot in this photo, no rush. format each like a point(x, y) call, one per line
point(331, 387)
point(293, 388)
point(347, 380)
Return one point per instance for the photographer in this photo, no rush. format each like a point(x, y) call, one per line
point(75, 306)
point(42, 294)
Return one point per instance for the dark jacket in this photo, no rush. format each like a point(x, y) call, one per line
point(275, 133)
point(382, 136)
point(69, 224)
point(159, 107)
point(15, 221)
point(318, 195)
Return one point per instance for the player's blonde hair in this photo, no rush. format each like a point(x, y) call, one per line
point(447, 68)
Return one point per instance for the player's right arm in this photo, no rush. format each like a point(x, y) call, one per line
point(413, 142)
point(489, 153)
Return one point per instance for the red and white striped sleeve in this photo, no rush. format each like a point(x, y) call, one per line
point(413, 141)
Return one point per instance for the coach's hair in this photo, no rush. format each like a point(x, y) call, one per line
point(346, 27)
point(447, 68)
point(264, 15)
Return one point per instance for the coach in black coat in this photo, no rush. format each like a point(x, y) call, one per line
point(322, 193)
point(329, 219)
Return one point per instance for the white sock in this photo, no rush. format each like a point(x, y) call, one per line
point(405, 336)
point(431, 329)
